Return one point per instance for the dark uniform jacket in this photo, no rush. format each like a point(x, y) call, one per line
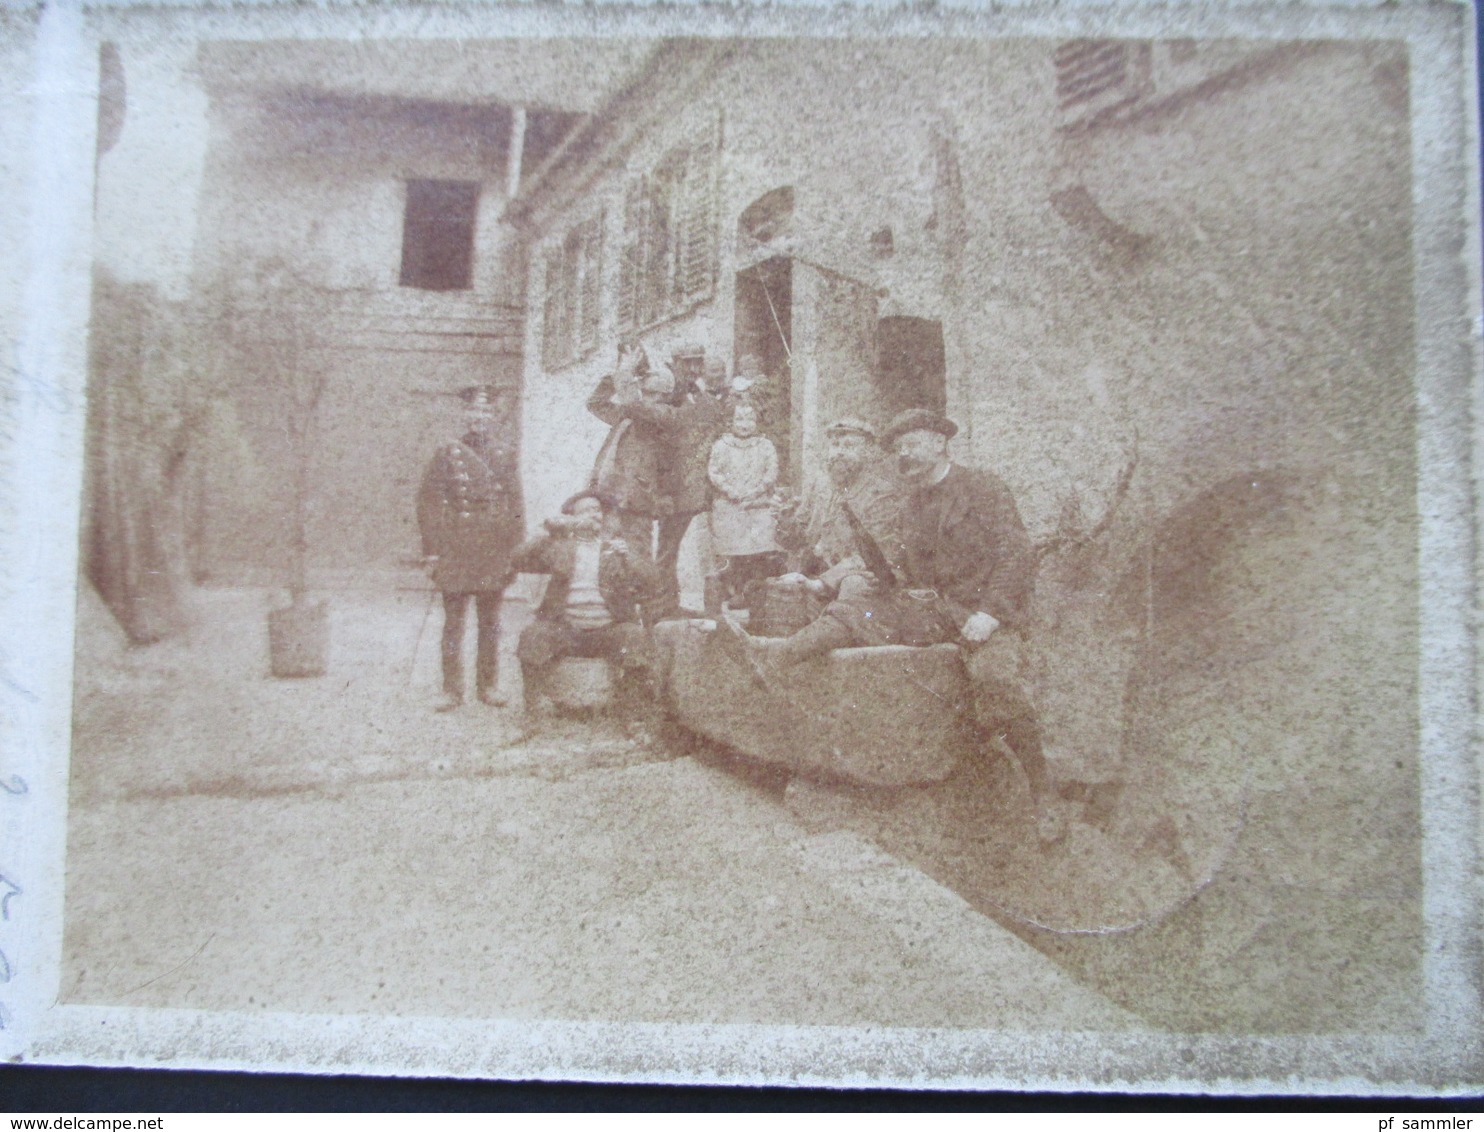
point(632, 464)
point(964, 538)
point(469, 514)
point(626, 582)
point(698, 421)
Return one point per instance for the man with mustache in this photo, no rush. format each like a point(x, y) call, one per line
point(469, 517)
point(593, 602)
point(967, 571)
point(817, 533)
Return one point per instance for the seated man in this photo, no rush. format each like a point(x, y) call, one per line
point(817, 533)
point(594, 600)
point(967, 573)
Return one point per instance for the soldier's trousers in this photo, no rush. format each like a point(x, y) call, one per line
point(487, 664)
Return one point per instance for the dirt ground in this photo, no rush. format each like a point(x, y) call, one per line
point(243, 843)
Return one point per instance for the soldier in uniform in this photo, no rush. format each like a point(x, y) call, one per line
point(469, 514)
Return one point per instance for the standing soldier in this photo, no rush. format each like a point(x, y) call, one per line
point(469, 514)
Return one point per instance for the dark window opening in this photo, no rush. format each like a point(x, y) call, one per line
point(438, 235)
point(911, 367)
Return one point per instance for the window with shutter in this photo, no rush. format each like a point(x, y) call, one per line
point(551, 339)
point(696, 236)
point(571, 312)
point(591, 287)
point(670, 236)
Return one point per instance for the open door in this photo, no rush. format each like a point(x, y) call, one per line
point(763, 347)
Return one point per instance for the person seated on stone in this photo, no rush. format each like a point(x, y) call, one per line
point(594, 602)
point(744, 473)
point(967, 572)
point(821, 545)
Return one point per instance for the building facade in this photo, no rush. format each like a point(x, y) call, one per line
point(1165, 290)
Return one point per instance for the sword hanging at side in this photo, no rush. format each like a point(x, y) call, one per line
point(870, 550)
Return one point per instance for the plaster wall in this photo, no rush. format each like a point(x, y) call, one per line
point(302, 211)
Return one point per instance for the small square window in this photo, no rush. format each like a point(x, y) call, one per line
point(438, 235)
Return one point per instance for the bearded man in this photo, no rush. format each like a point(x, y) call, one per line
point(817, 532)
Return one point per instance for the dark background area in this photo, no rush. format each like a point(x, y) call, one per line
point(59, 1090)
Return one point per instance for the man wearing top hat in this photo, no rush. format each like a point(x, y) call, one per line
point(966, 577)
point(469, 514)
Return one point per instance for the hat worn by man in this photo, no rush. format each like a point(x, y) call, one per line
point(688, 350)
point(917, 420)
point(570, 506)
point(852, 424)
point(484, 395)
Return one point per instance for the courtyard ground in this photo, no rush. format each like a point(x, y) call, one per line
point(331, 845)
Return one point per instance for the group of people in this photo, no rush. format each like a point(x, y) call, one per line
point(894, 544)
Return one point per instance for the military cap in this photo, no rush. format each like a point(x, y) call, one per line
point(688, 350)
point(915, 420)
point(482, 395)
point(852, 424)
point(602, 497)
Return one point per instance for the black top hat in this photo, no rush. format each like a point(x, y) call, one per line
point(914, 420)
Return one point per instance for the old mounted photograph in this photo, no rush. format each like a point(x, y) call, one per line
point(916, 548)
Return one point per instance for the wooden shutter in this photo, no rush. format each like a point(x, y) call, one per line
point(631, 259)
point(551, 314)
point(654, 279)
point(590, 287)
point(696, 226)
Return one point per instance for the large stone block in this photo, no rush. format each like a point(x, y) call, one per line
point(890, 716)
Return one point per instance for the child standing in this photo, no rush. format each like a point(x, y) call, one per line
point(744, 471)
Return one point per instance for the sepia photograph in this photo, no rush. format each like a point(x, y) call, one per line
point(923, 549)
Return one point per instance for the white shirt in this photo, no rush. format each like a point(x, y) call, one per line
point(585, 606)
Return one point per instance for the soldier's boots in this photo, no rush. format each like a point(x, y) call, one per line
point(449, 701)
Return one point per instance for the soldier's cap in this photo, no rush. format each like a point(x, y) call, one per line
point(852, 424)
point(687, 350)
point(916, 420)
point(479, 395)
point(608, 502)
